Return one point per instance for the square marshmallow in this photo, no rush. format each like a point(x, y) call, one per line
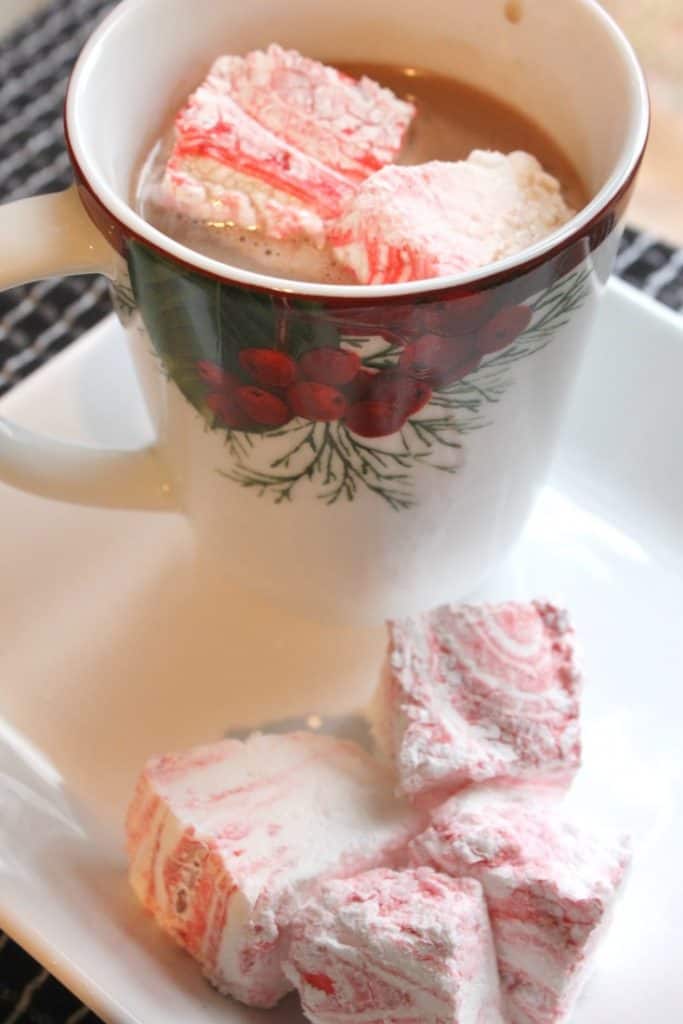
point(354, 126)
point(224, 842)
point(386, 947)
point(276, 142)
point(407, 223)
point(550, 888)
point(473, 693)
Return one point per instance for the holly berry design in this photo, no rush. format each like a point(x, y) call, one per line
point(352, 401)
point(268, 368)
point(502, 329)
point(333, 366)
point(321, 403)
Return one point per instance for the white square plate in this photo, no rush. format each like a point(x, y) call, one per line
point(110, 651)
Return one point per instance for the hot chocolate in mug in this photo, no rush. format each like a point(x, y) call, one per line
point(416, 504)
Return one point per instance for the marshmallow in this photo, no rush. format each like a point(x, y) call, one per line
point(476, 693)
point(429, 220)
point(388, 947)
point(226, 840)
point(550, 888)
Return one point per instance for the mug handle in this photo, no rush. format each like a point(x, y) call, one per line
point(50, 235)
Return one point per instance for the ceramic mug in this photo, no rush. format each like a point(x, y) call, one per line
point(407, 473)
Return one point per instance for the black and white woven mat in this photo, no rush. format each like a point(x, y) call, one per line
point(38, 320)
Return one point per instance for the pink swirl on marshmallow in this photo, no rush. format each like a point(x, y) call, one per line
point(477, 693)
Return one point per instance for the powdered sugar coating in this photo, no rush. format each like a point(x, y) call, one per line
point(274, 142)
point(416, 222)
point(550, 888)
point(476, 693)
point(221, 150)
point(225, 841)
point(352, 126)
point(215, 194)
point(388, 947)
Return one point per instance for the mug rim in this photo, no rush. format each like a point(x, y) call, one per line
point(131, 224)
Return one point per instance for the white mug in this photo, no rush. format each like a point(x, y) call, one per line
point(386, 508)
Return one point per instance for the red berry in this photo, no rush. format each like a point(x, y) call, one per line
point(216, 377)
point(422, 397)
point(505, 327)
point(458, 371)
point(262, 407)
point(470, 311)
point(432, 359)
point(374, 419)
point(315, 401)
point(392, 387)
point(422, 357)
point(333, 366)
point(227, 409)
point(406, 394)
point(268, 368)
point(459, 316)
point(361, 386)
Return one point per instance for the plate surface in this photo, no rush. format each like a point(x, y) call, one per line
point(110, 650)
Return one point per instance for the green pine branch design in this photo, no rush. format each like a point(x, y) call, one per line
point(340, 465)
point(192, 320)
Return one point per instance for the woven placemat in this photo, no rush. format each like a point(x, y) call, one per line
point(38, 320)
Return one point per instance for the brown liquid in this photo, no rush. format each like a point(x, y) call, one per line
point(452, 120)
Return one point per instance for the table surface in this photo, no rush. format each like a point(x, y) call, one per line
point(38, 320)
